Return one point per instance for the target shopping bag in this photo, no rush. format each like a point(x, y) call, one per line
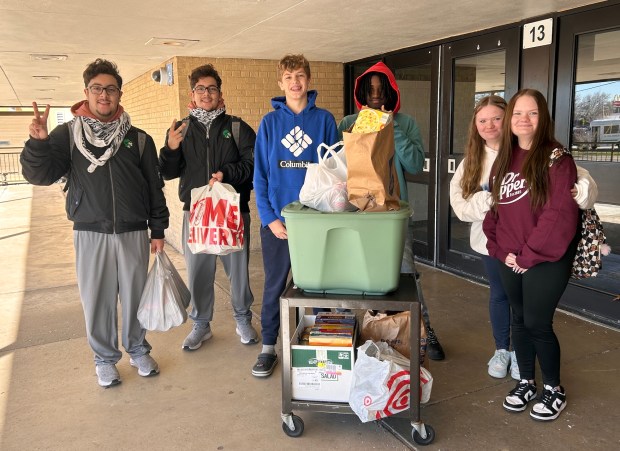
point(215, 222)
point(380, 385)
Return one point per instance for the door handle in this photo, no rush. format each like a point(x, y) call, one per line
point(451, 165)
point(427, 165)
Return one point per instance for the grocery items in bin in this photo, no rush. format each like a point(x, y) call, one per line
point(165, 296)
point(319, 373)
point(393, 329)
point(372, 181)
point(349, 253)
point(325, 185)
point(215, 222)
point(381, 382)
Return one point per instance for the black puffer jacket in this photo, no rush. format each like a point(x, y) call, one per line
point(198, 157)
point(124, 195)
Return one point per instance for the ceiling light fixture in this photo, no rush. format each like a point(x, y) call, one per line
point(46, 77)
point(47, 57)
point(171, 42)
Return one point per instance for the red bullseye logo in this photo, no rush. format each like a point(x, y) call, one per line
point(398, 386)
point(367, 401)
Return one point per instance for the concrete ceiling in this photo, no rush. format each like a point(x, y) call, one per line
point(324, 30)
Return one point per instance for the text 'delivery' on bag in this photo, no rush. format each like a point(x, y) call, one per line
point(215, 221)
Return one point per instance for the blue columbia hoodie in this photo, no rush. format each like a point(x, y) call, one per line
point(285, 144)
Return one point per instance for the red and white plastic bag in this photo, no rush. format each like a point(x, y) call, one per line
point(381, 384)
point(215, 222)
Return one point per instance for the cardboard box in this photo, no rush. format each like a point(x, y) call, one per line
point(346, 252)
point(320, 373)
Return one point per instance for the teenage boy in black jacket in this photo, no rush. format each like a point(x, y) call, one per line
point(203, 149)
point(114, 195)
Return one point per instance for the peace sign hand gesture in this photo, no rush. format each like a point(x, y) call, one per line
point(38, 126)
point(175, 135)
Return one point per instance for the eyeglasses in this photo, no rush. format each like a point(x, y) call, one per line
point(110, 90)
point(201, 89)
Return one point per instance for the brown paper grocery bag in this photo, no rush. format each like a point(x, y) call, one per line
point(372, 182)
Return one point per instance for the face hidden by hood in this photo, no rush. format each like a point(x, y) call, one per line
point(378, 68)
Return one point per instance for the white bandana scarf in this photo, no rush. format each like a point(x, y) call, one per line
point(99, 134)
point(205, 117)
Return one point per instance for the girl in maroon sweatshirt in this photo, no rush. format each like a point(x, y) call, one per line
point(531, 228)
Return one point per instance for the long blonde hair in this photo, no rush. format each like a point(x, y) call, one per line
point(474, 151)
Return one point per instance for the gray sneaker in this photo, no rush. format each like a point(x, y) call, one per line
point(147, 366)
point(248, 334)
point(107, 375)
point(195, 338)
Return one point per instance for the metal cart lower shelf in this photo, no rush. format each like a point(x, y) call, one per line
point(404, 299)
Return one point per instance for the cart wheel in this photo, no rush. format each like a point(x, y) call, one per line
point(430, 436)
point(298, 424)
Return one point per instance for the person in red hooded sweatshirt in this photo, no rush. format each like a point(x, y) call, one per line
point(377, 88)
point(114, 197)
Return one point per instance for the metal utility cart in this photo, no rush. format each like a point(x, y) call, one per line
point(405, 298)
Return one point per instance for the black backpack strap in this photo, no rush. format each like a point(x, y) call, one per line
point(141, 143)
point(236, 125)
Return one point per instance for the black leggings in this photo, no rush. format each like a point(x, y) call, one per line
point(534, 297)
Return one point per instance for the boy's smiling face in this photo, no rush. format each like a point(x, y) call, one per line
point(294, 83)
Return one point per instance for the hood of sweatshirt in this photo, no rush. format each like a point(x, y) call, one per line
point(279, 103)
point(81, 109)
point(383, 69)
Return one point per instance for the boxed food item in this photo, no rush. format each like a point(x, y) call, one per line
point(320, 373)
point(370, 120)
point(346, 252)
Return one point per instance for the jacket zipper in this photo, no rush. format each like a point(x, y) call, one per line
point(208, 174)
point(113, 196)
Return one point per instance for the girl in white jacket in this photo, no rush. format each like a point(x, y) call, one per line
point(470, 199)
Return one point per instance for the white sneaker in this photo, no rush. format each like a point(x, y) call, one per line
point(498, 365)
point(514, 367)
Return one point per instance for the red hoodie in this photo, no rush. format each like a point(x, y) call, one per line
point(381, 68)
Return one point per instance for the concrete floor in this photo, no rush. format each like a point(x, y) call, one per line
point(207, 399)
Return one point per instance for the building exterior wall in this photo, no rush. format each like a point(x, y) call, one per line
point(247, 88)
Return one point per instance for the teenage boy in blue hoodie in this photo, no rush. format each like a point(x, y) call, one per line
point(286, 143)
point(377, 88)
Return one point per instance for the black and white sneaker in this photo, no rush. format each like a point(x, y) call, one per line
point(517, 399)
point(551, 404)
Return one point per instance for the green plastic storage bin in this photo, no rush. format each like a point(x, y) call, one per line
point(348, 252)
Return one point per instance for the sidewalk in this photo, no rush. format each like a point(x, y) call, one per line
point(208, 399)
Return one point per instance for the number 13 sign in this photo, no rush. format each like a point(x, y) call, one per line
point(536, 34)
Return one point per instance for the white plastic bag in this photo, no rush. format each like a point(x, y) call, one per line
point(380, 385)
point(165, 297)
point(215, 221)
point(325, 185)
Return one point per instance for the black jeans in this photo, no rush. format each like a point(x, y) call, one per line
point(534, 297)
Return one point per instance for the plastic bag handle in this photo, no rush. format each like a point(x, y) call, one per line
point(329, 151)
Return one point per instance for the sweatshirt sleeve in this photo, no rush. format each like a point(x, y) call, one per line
point(473, 208)
point(408, 144)
point(171, 162)
point(489, 227)
point(159, 215)
point(345, 123)
point(242, 171)
point(587, 190)
point(45, 161)
point(557, 224)
point(261, 176)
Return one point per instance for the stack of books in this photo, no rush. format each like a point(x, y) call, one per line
point(333, 329)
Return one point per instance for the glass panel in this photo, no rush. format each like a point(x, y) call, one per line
point(414, 84)
point(595, 140)
point(474, 78)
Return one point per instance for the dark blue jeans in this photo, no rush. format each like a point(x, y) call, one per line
point(276, 264)
point(499, 306)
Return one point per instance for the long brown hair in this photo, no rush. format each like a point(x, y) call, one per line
point(474, 151)
point(535, 168)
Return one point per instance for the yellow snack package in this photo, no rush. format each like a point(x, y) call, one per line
point(370, 120)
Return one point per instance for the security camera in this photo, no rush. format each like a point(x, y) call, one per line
point(156, 76)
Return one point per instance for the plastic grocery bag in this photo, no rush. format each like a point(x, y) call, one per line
point(380, 385)
point(215, 221)
point(165, 297)
point(325, 185)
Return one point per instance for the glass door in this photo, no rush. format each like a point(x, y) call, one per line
point(471, 69)
point(588, 122)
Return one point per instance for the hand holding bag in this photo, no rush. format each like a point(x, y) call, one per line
point(165, 297)
point(215, 221)
point(325, 185)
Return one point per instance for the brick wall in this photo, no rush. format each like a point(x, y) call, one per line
point(247, 88)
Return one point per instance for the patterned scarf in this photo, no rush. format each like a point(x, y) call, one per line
point(205, 117)
point(108, 135)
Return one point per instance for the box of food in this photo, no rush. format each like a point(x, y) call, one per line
point(346, 252)
point(370, 120)
point(320, 373)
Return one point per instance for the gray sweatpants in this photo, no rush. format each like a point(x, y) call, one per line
point(201, 276)
point(112, 267)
